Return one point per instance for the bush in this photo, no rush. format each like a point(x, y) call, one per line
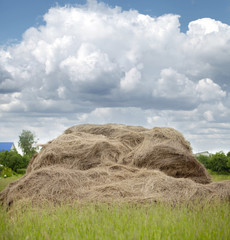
point(12, 159)
point(218, 162)
point(205, 160)
point(21, 171)
point(6, 171)
point(228, 154)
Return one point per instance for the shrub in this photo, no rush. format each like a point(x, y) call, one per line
point(12, 159)
point(228, 154)
point(219, 163)
point(21, 171)
point(6, 171)
point(205, 160)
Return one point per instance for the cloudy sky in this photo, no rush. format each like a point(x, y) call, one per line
point(148, 63)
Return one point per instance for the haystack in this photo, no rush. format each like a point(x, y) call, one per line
point(115, 163)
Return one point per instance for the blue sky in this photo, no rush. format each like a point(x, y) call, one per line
point(16, 16)
point(135, 64)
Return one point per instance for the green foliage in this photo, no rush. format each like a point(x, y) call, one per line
point(228, 163)
point(218, 162)
point(26, 143)
point(216, 177)
point(6, 181)
point(21, 171)
point(12, 159)
point(204, 160)
point(228, 154)
point(5, 171)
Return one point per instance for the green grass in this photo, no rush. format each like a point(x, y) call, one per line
point(124, 221)
point(218, 177)
point(5, 181)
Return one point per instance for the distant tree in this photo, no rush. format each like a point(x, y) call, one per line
point(27, 142)
point(228, 154)
point(219, 163)
point(205, 160)
point(13, 160)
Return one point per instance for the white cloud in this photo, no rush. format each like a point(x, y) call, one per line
point(131, 80)
point(205, 26)
point(208, 90)
point(88, 64)
point(62, 92)
point(94, 63)
point(208, 116)
point(173, 85)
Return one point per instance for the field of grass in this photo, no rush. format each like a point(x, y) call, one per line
point(218, 177)
point(5, 181)
point(115, 221)
point(124, 221)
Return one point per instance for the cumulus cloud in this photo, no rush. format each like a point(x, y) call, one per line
point(172, 84)
point(131, 80)
point(206, 26)
point(208, 90)
point(94, 63)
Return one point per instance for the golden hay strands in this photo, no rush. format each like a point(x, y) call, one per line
point(115, 163)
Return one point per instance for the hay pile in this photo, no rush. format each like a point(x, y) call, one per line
point(113, 163)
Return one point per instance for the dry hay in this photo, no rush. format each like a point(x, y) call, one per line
point(115, 163)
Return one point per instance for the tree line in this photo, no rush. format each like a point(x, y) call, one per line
point(218, 162)
point(11, 161)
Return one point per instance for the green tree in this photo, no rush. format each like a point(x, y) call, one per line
point(13, 160)
point(228, 154)
point(205, 160)
point(27, 142)
point(5, 171)
point(219, 163)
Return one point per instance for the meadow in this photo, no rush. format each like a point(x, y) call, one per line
point(219, 177)
point(5, 181)
point(116, 221)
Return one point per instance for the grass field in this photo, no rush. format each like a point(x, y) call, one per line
point(5, 181)
point(218, 177)
point(115, 221)
point(125, 221)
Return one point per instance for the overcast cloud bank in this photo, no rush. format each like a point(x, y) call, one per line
point(97, 64)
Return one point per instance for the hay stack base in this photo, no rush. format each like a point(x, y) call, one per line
point(115, 163)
